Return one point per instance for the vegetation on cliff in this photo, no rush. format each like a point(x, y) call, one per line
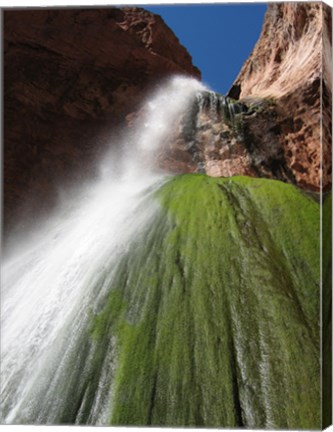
point(214, 311)
point(327, 311)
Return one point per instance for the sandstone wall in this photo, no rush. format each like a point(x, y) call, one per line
point(291, 64)
point(71, 77)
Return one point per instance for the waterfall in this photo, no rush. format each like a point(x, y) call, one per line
point(215, 116)
point(217, 106)
point(55, 283)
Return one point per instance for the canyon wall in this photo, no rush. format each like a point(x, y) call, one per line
point(209, 315)
point(276, 130)
point(71, 77)
point(67, 93)
point(291, 63)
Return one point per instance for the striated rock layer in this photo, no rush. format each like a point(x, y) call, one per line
point(70, 77)
point(291, 64)
point(274, 127)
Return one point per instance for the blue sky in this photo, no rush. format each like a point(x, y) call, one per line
point(219, 37)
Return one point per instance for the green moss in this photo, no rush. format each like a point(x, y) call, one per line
point(215, 310)
point(327, 312)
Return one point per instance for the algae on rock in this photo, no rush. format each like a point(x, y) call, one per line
point(215, 309)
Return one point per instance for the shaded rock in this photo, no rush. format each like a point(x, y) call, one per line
point(235, 91)
point(71, 77)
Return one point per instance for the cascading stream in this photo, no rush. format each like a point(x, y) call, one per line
point(167, 303)
point(54, 284)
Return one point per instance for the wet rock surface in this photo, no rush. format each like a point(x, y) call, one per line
point(223, 137)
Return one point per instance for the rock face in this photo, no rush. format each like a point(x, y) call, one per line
point(71, 76)
point(291, 63)
point(278, 134)
point(224, 137)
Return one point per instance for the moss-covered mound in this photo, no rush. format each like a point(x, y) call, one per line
point(327, 311)
point(214, 312)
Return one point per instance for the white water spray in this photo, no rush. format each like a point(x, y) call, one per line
point(53, 285)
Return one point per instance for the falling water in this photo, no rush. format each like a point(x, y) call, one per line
point(217, 106)
point(210, 110)
point(53, 285)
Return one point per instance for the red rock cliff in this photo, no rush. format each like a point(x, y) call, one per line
point(70, 77)
point(274, 129)
point(291, 63)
